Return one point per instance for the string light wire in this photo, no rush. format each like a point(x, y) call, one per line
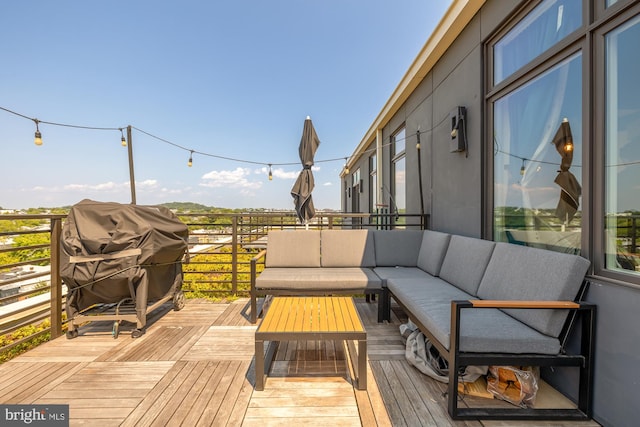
point(268, 164)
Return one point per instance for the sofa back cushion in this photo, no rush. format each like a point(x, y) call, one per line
point(299, 248)
point(522, 273)
point(347, 248)
point(465, 262)
point(397, 247)
point(432, 251)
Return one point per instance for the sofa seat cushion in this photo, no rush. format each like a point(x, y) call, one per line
point(386, 273)
point(347, 248)
point(481, 330)
point(318, 279)
point(521, 273)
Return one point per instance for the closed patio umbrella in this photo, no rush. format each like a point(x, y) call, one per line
point(570, 189)
point(303, 186)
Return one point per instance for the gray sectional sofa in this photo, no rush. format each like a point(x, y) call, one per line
point(478, 301)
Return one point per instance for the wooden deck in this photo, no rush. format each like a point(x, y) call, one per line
point(195, 367)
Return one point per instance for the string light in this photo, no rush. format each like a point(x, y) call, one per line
point(38, 141)
point(38, 137)
point(190, 162)
point(270, 173)
point(568, 146)
point(522, 168)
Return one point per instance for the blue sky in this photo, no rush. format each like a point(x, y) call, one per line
point(228, 78)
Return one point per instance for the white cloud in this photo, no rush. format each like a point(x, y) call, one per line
point(147, 183)
point(104, 186)
point(230, 179)
point(328, 184)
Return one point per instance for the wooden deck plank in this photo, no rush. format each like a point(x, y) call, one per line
point(196, 366)
point(146, 407)
point(223, 343)
point(209, 382)
point(237, 386)
point(41, 378)
point(217, 401)
point(370, 403)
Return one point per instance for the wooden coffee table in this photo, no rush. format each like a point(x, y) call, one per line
point(311, 318)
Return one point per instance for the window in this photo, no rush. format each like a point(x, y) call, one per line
point(622, 148)
point(355, 191)
point(398, 173)
point(537, 160)
point(373, 184)
point(547, 24)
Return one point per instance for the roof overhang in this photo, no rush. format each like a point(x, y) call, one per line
point(453, 22)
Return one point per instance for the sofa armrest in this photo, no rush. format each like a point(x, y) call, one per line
point(587, 308)
point(524, 304)
point(254, 274)
point(254, 267)
point(583, 360)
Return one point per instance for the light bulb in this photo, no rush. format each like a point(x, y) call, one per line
point(38, 137)
point(123, 141)
point(568, 147)
point(270, 174)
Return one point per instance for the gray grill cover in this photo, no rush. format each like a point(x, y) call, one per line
point(112, 251)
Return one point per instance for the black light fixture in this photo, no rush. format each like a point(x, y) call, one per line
point(122, 140)
point(190, 162)
point(270, 173)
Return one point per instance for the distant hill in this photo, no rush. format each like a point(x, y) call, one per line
point(187, 207)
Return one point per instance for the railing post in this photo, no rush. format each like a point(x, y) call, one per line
point(634, 230)
point(56, 282)
point(234, 254)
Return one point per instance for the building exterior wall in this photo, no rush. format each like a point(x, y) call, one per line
point(458, 187)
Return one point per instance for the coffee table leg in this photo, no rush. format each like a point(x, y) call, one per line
point(259, 365)
point(362, 364)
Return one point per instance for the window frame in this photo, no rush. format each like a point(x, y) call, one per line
point(397, 156)
point(616, 20)
point(590, 40)
point(373, 183)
